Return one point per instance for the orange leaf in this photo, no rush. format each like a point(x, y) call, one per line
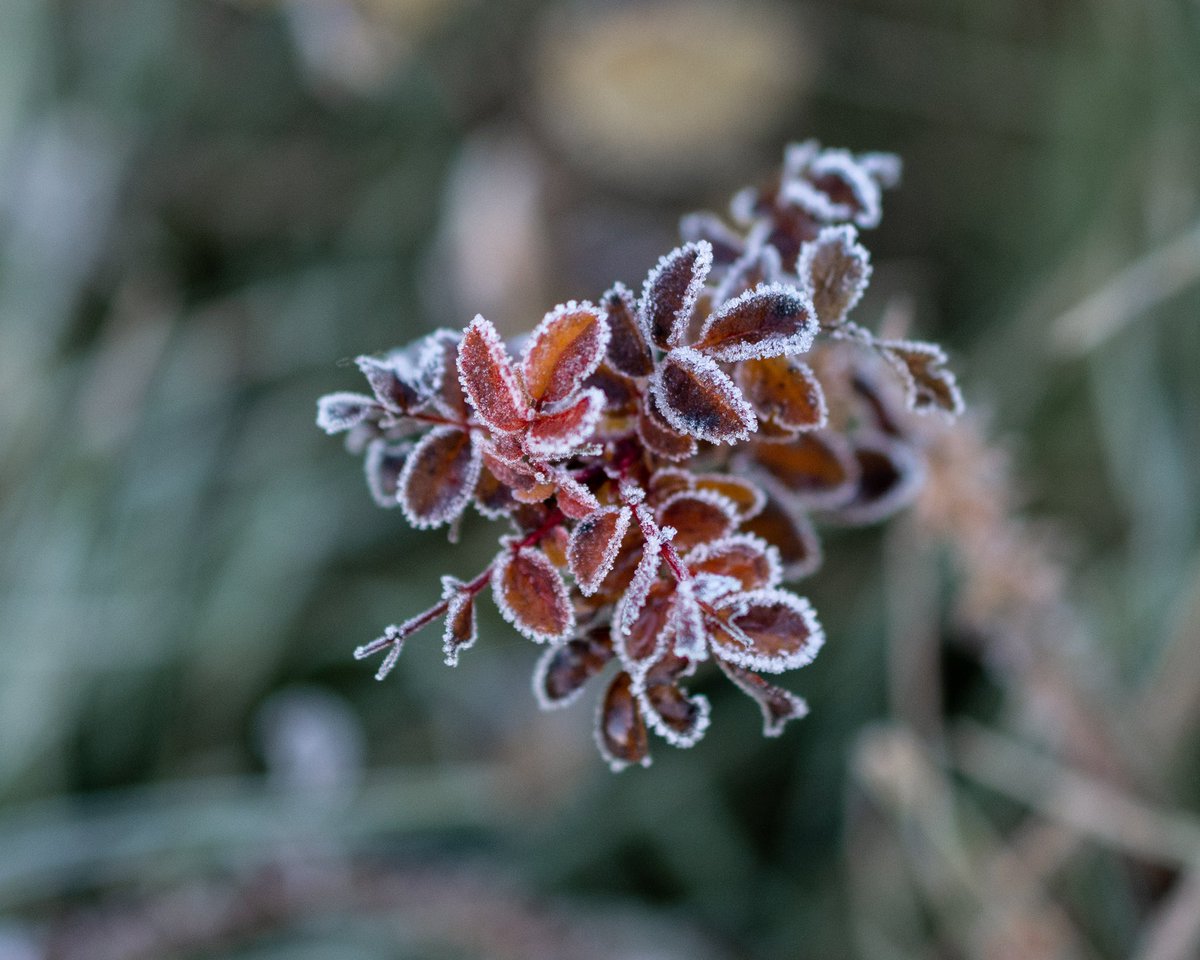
point(698, 516)
point(784, 391)
point(696, 397)
point(563, 351)
point(621, 731)
point(488, 377)
point(439, 477)
point(791, 533)
point(747, 558)
point(593, 547)
point(531, 594)
point(818, 466)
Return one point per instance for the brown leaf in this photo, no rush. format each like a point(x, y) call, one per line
point(666, 481)
point(439, 477)
point(747, 498)
point(782, 628)
point(784, 391)
point(563, 351)
point(660, 437)
point(747, 558)
point(889, 477)
point(390, 388)
point(438, 372)
point(929, 384)
point(818, 466)
point(621, 731)
point(696, 397)
point(573, 498)
point(837, 268)
point(648, 634)
point(555, 436)
point(768, 321)
point(790, 532)
point(562, 671)
point(671, 291)
point(531, 594)
point(628, 352)
point(593, 547)
point(778, 705)
point(519, 478)
point(698, 516)
point(493, 499)
point(679, 719)
point(487, 375)
point(460, 632)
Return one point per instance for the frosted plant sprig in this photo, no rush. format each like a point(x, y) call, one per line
point(660, 460)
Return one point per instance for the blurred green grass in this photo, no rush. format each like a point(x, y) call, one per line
point(206, 207)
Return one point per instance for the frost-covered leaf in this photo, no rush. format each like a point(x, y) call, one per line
point(531, 595)
point(562, 671)
point(628, 352)
point(634, 599)
point(748, 559)
point(554, 436)
point(487, 375)
point(686, 625)
point(818, 466)
point(437, 374)
point(391, 381)
point(660, 437)
point(760, 264)
point(439, 477)
point(696, 397)
point(791, 533)
point(745, 496)
point(649, 631)
point(675, 716)
point(670, 293)
point(573, 498)
point(837, 269)
point(783, 630)
point(778, 705)
point(493, 499)
point(666, 481)
point(621, 393)
point(836, 188)
point(768, 321)
point(929, 384)
point(620, 729)
point(727, 244)
point(337, 412)
point(382, 466)
point(889, 477)
point(593, 547)
point(526, 484)
point(699, 516)
point(563, 351)
point(461, 630)
point(783, 391)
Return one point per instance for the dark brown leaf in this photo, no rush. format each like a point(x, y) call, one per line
point(768, 321)
point(778, 705)
point(782, 628)
point(661, 438)
point(439, 477)
point(460, 632)
point(818, 466)
point(593, 547)
point(563, 671)
point(621, 731)
point(790, 532)
point(889, 477)
point(929, 384)
point(675, 716)
point(671, 291)
point(696, 397)
point(628, 352)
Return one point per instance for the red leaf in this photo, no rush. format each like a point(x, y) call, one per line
point(489, 380)
point(670, 293)
point(768, 321)
point(778, 705)
point(620, 729)
point(628, 352)
point(461, 631)
point(573, 498)
point(564, 350)
point(784, 391)
point(782, 628)
point(439, 477)
point(555, 436)
point(562, 671)
point(593, 547)
point(696, 397)
point(531, 594)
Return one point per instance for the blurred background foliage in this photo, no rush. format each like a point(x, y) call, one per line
point(208, 206)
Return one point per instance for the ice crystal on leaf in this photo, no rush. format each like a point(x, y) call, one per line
point(661, 462)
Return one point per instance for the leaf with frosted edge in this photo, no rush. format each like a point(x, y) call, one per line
point(686, 623)
point(563, 671)
point(791, 534)
point(337, 412)
point(922, 366)
point(592, 549)
point(555, 436)
point(670, 293)
point(818, 467)
point(761, 264)
point(783, 391)
point(666, 481)
point(698, 515)
point(620, 728)
point(493, 499)
point(768, 321)
point(778, 705)
point(748, 559)
point(746, 497)
point(660, 437)
point(439, 477)
point(727, 244)
point(650, 631)
point(489, 380)
point(573, 498)
point(635, 596)
point(531, 595)
point(782, 627)
point(835, 187)
point(519, 477)
point(696, 397)
point(563, 351)
point(890, 475)
point(628, 352)
point(836, 269)
point(437, 372)
point(382, 466)
point(675, 716)
point(461, 630)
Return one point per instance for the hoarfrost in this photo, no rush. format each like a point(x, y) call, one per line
point(594, 545)
point(487, 376)
point(461, 629)
point(337, 412)
point(671, 290)
point(530, 593)
point(697, 398)
point(564, 350)
point(782, 627)
point(836, 268)
point(382, 466)
point(439, 477)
